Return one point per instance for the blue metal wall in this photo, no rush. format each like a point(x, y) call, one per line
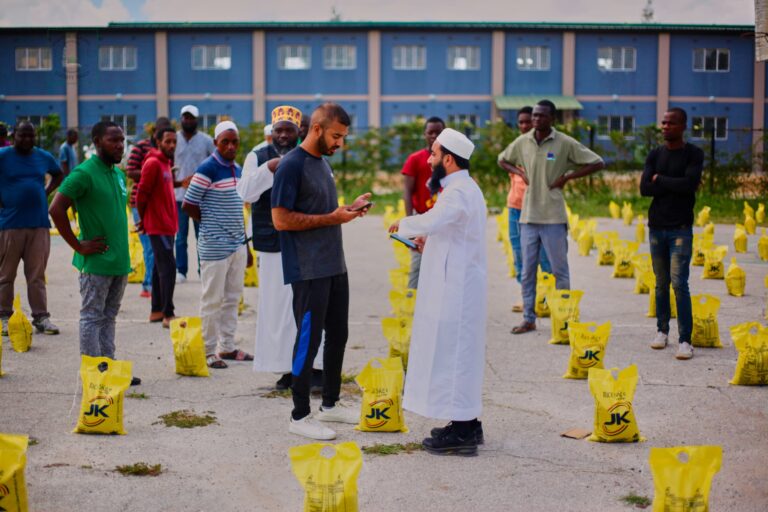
point(436, 78)
point(316, 79)
point(91, 80)
point(239, 111)
point(90, 112)
point(32, 82)
point(441, 109)
point(183, 79)
point(739, 122)
point(591, 80)
point(10, 110)
point(518, 81)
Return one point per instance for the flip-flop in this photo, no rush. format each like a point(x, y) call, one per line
point(237, 355)
point(215, 361)
point(524, 327)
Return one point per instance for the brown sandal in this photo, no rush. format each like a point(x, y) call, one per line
point(236, 355)
point(524, 327)
point(215, 361)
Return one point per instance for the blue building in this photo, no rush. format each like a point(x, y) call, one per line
point(621, 76)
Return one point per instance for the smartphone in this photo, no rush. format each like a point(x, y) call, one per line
point(406, 242)
point(363, 207)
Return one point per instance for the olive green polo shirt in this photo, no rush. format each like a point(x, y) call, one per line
point(544, 163)
point(100, 197)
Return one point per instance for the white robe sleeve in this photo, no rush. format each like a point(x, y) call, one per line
point(448, 209)
point(255, 180)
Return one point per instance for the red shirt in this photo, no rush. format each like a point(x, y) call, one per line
point(416, 166)
point(155, 190)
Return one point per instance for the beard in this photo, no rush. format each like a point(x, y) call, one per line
point(282, 150)
point(438, 173)
point(189, 128)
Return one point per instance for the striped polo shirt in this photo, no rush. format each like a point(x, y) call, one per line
point(222, 229)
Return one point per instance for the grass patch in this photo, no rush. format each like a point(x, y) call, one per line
point(351, 390)
point(348, 378)
point(137, 396)
point(277, 393)
point(86, 466)
point(187, 419)
point(356, 347)
point(33, 441)
point(140, 469)
point(392, 449)
point(636, 500)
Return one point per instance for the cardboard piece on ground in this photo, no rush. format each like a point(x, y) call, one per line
point(576, 433)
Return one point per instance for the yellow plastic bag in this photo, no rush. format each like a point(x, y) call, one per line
point(701, 244)
point(627, 214)
point(624, 251)
point(329, 482)
point(13, 460)
point(713, 263)
point(104, 383)
point(605, 254)
point(649, 279)
point(136, 252)
point(251, 278)
point(588, 344)
point(586, 241)
point(640, 230)
point(751, 341)
point(545, 282)
point(748, 210)
point(760, 213)
point(740, 239)
point(750, 225)
point(19, 328)
point(709, 229)
point(397, 332)
point(403, 302)
point(402, 255)
point(706, 332)
point(189, 347)
point(614, 415)
point(703, 216)
point(735, 279)
point(398, 278)
point(682, 477)
point(614, 209)
point(564, 309)
point(762, 246)
point(641, 264)
point(382, 383)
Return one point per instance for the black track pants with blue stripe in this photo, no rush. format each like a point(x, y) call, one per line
point(319, 304)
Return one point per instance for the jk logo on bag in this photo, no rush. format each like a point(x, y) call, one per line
point(618, 418)
point(590, 358)
point(96, 414)
point(379, 415)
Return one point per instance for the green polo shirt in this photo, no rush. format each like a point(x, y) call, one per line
point(544, 163)
point(100, 197)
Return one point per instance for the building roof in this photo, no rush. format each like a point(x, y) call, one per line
point(405, 25)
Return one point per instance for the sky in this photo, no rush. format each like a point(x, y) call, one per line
point(27, 13)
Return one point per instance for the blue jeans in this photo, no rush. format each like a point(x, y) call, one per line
point(553, 238)
point(182, 262)
point(671, 251)
point(149, 256)
point(514, 238)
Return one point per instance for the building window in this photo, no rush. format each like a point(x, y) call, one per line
point(404, 118)
point(126, 122)
point(711, 59)
point(464, 58)
point(35, 120)
point(294, 57)
point(701, 127)
point(533, 58)
point(622, 124)
point(218, 57)
point(409, 57)
point(209, 121)
point(33, 59)
point(340, 57)
point(619, 58)
point(462, 119)
point(117, 58)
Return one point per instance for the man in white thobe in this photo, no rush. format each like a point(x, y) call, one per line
point(447, 353)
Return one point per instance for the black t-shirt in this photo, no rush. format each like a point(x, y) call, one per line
point(674, 191)
point(304, 183)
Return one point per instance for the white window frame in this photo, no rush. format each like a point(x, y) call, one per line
point(296, 52)
point(404, 118)
point(609, 121)
point(460, 119)
point(339, 57)
point(718, 52)
point(111, 52)
point(469, 54)
point(623, 51)
point(536, 55)
point(35, 119)
point(701, 133)
point(43, 53)
point(122, 120)
point(208, 121)
point(218, 51)
point(409, 57)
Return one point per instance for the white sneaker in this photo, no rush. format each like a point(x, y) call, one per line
point(180, 278)
point(339, 414)
point(660, 341)
point(309, 427)
point(684, 351)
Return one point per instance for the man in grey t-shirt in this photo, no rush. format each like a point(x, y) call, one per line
point(306, 212)
point(192, 148)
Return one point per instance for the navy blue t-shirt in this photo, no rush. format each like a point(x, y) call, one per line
point(304, 183)
point(23, 203)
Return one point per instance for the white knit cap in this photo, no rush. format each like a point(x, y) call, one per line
point(456, 142)
point(224, 126)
